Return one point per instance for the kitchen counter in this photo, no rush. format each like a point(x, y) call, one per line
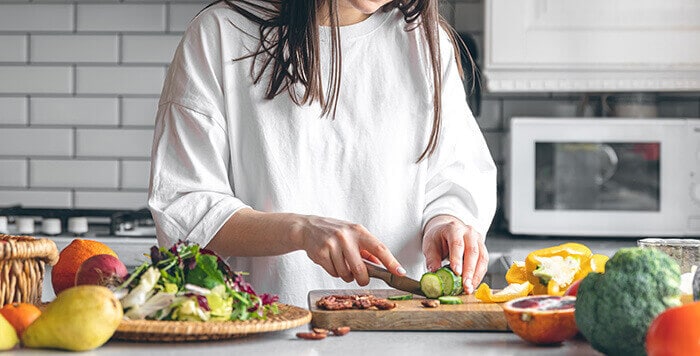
point(355, 343)
point(360, 342)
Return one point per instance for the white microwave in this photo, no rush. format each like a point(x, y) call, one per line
point(605, 177)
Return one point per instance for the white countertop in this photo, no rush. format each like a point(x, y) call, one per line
point(355, 343)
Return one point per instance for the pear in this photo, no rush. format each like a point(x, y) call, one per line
point(80, 318)
point(8, 335)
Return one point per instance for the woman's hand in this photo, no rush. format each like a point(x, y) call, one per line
point(339, 246)
point(446, 236)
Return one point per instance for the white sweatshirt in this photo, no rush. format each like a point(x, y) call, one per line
point(219, 146)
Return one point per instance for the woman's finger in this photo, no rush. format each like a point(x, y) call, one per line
point(471, 257)
point(482, 265)
point(341, 267)
point(456, 244)
point(327, 264)
point(369, 257)
point(378, 249)
point(432, 252)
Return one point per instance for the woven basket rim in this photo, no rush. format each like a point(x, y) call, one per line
point(28, 247)
point(172, 331)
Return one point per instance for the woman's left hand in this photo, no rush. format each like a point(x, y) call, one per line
point(446, 236)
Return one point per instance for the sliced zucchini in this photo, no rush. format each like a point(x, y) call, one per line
point(401, 297)
point(452, 283)
point(450, 299)
point(431, 285)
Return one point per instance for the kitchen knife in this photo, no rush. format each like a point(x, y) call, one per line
point(401, 283)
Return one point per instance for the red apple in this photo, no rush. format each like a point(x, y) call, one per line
point(573, 289)
point(103, 270)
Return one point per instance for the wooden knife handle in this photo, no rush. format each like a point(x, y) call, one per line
point(376, 271)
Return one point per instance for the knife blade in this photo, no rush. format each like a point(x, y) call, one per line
point(405, 284)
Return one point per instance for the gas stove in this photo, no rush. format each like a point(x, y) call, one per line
point(88, 223)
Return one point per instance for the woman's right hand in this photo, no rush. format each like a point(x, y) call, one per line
point(339, 246)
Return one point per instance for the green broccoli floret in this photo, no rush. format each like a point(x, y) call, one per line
point(614, 309)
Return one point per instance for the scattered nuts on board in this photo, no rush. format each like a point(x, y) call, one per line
point(311, 336)
point(341, 330)
point(430, 303)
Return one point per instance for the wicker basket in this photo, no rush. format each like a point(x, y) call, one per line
point(22, 265)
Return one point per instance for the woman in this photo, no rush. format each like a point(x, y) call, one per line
point(298, 137)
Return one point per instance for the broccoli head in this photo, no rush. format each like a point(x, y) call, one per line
point(614, 309)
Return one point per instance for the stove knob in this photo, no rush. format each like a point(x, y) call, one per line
point(3, 225)
point(78, 225)
point(51, 227)
point(25, 226)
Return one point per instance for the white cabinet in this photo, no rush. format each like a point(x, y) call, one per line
point(592, 45)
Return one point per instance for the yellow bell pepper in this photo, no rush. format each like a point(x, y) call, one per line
point(516, 273)
point(552, 270)
point(512, 291)
point(595, 264)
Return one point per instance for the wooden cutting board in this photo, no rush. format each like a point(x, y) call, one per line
point(409, 314)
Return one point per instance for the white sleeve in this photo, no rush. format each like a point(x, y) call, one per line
point(190, 195)
point(461, 172)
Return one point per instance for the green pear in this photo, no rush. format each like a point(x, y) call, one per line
point(80, 318)
point(8, 335)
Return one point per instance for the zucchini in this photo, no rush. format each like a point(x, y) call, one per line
point(450, 299)
point(452, 283)
point(431, 285)
point(401, 297)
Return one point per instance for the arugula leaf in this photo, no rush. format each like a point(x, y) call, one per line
point(205, 273)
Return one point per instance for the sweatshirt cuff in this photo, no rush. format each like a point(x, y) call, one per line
point(214, 219)
point(458, 211)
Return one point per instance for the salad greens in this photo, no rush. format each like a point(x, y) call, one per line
point(189, 283)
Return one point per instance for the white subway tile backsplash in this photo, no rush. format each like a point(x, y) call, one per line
point(36, 79)
point(74, 48)
point(13, 48)
point(36, 142)
point(121, 17)
point(74, 111)
point(182, 14)
point(149, 49)
point(111, 200)
point(120, 80)
point(13, 110)
point(36, 198)
point(73, 173)
point(135, 174)
point(469, 17)
point(114, 142)
point(139, 111)
point(36, 17)
point(14, 173)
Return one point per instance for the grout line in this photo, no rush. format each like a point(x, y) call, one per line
point(29, 173)
point(75, 17)
point(167, 17)
point(75, 143)
point(120, 169)
point(29, 48)
point(75, 79)
point(120, 48)
point(120, 111)
point(29, 110)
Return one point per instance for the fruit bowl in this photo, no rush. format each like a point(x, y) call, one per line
point(23, 262)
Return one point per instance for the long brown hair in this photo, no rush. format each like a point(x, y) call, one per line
point(289, 43)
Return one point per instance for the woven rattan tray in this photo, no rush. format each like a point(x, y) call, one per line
point(178, 331)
